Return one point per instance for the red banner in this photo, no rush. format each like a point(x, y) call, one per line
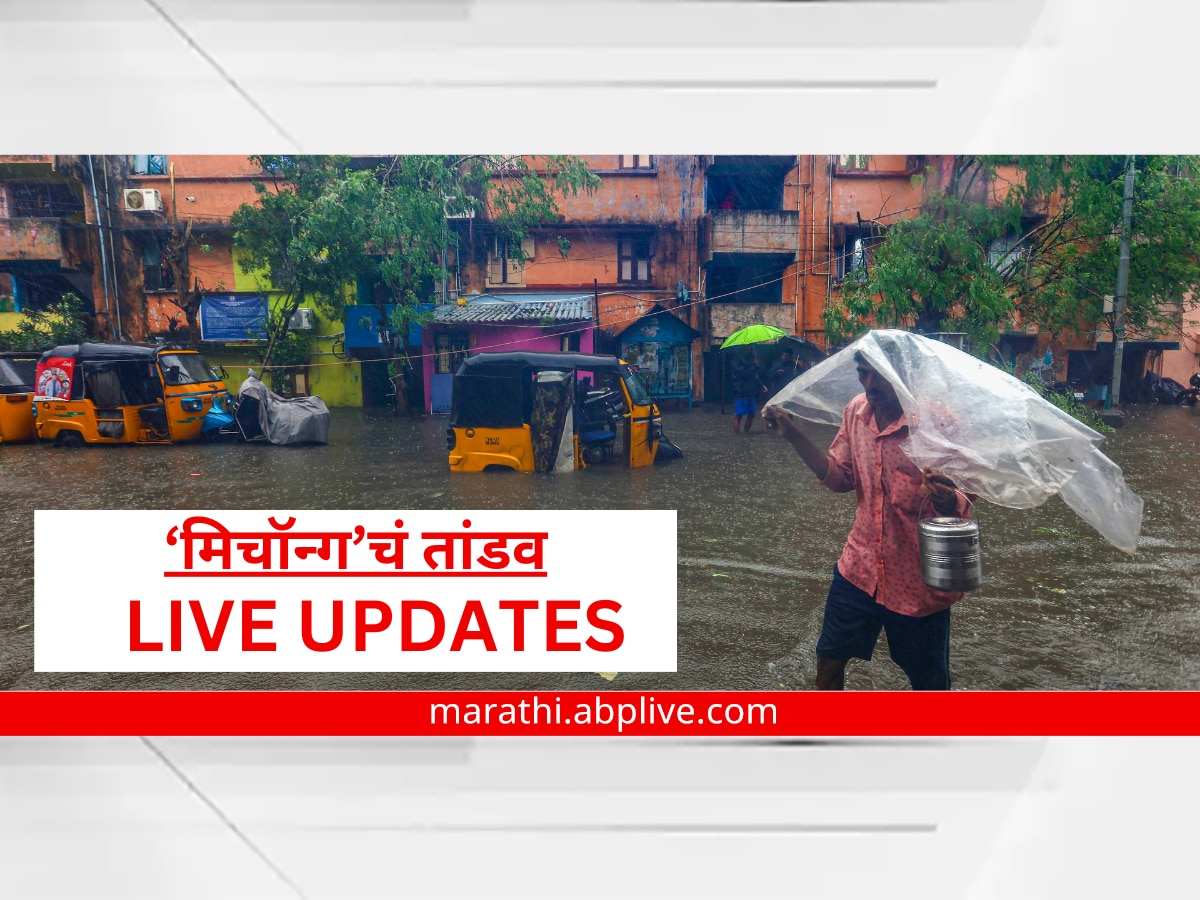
point(54, 377)
point(608, 713)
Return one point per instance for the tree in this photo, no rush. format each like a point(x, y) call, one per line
point(61, 322)
point(1034, 237)
point(188, 291)
point(320, 223)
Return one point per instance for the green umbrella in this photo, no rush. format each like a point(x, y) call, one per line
point(753, 334)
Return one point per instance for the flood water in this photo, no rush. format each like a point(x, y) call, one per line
point(758, 538)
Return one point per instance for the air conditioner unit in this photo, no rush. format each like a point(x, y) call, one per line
point(143, 200)
point(303, 319)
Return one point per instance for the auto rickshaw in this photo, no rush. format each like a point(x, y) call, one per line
point(551, 412)
point(123, 394)
point(18, 370)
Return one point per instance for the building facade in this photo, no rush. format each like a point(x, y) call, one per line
point(715, 242)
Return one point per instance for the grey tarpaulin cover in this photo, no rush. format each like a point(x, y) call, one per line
point(995, 436)
point(283, 420)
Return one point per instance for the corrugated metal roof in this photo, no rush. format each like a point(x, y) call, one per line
point(518, 308)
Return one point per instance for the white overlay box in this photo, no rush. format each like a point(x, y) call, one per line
point(414, 591)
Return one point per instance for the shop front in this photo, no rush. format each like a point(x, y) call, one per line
point(659, 346)
point(500, 322)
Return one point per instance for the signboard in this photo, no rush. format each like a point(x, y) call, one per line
point(233, 317)
point(357, 591)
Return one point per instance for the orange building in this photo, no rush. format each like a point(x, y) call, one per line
point(632, 246)
point(716, 242)
point(48, 242)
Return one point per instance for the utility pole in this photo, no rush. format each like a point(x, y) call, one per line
point(1114, 396)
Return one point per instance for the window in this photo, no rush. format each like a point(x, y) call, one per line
point(186, 368)
point(633, 259)
point(156, 274)
point(854, 254)
point(637, 162)
point(1005, 253)
point(850, 162)
point(570, 343)
point(503, 265)
point(450, 349)
point(150, 164)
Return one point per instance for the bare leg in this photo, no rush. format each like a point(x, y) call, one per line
point(831, 674)
point(737, 424)
point(749, 422)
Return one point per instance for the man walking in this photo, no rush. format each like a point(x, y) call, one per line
point(877, 582)
point(782, 372)
point(747, 385)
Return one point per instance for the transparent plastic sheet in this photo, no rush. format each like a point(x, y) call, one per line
point(995, 436)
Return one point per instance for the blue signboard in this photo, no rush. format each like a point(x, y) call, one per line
point(233, 317)
point(362, 326)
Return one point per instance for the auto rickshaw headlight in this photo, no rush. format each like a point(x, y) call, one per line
point(192, 404)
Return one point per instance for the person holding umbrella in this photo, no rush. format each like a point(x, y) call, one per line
point(747, 382)
point(877, 584)
point(747, 385)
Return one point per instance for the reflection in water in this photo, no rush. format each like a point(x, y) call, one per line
point(758, 538)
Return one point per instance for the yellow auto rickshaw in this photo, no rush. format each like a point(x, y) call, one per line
point(18, 370)
point(551, 412)
point(123, 394)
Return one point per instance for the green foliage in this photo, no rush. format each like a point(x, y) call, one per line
point(290, 349)
point(1068, 404)
point(60, 323)
point(1060, 218)
point(321, 223)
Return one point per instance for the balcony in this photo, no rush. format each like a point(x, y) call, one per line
point(25, 166)
point(726, 318)
point(753, 231)
point(30, 240)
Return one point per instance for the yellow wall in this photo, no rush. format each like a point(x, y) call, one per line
point(337, 382)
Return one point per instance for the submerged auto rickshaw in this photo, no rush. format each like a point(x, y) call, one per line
point(123, 394)
point(551, 412)
point(18, 370)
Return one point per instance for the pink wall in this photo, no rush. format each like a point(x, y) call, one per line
point(503, 339)
point(1183, 363)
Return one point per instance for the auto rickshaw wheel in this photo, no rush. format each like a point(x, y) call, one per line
point(69, 439)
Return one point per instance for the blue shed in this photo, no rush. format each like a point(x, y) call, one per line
point(659, 345)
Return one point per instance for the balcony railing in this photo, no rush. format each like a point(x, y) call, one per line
point(726, 318)
point(754, 231)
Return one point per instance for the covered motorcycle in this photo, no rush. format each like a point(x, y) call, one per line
point(262, 415)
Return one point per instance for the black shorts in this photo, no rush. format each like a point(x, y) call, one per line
point(920, 645)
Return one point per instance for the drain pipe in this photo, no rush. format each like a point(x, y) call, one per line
point(112, 253)
point(100, 233)
point(830, 261)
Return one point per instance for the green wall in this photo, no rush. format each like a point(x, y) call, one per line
point(336, 381)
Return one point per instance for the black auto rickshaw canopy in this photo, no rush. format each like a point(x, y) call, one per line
point(114, 374)
point(108, 352)
point(495, 390)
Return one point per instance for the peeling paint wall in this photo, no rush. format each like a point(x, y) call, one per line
point(664, 204)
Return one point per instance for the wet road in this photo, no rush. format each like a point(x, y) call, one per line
point(758, 538)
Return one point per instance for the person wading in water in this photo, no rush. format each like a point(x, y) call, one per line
point(877, 582)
